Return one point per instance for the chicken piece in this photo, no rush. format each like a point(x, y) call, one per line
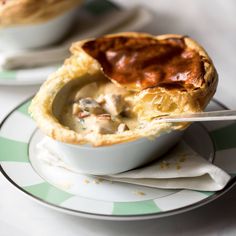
point(114, 104)
point(90, 105)
point(100, 99)
point(111, 88)
point(122, 127)
point(86, 91)
point(101, 124)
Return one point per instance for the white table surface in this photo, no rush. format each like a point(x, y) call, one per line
point(213, 24)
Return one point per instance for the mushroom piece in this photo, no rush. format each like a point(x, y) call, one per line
point(90, 105)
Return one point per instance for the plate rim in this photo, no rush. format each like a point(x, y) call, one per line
point(90, 215)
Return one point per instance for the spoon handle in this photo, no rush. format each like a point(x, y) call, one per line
point(201, 116)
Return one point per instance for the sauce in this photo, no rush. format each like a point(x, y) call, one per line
point(93, 91)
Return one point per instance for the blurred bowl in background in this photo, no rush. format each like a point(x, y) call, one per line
point(38, 35)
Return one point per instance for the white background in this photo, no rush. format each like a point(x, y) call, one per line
point(213, 24)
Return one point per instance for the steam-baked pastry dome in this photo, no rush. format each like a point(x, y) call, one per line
point(139, 76)
point(17, 12)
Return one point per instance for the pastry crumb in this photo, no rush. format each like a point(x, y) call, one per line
point(164, 165)
point(182, 159)
point(139, 193)
point(178, 167)
point(64, 185)
point(98, 181)
point(86, 181)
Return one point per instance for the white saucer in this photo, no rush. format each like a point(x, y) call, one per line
point(85, 196)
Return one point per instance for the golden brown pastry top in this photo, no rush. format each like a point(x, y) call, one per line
point(143, 62)
point(17, 12)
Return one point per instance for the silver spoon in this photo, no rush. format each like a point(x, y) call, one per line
point(201, 116)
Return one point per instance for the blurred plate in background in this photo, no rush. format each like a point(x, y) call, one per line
point(94, 19)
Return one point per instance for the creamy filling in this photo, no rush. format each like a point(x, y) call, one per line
point(101, 108)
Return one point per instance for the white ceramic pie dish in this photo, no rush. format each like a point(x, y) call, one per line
point(115, 158)
point(36, 35)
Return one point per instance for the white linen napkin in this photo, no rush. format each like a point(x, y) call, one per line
point(180, 168)
point(114, 21)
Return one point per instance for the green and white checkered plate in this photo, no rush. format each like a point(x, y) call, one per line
point(105, 200)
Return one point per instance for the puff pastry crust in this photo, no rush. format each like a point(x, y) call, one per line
point(15, 12)
point(186, 84)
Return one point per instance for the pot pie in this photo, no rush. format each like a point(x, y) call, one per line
point(113, 88)
point(17, 12)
